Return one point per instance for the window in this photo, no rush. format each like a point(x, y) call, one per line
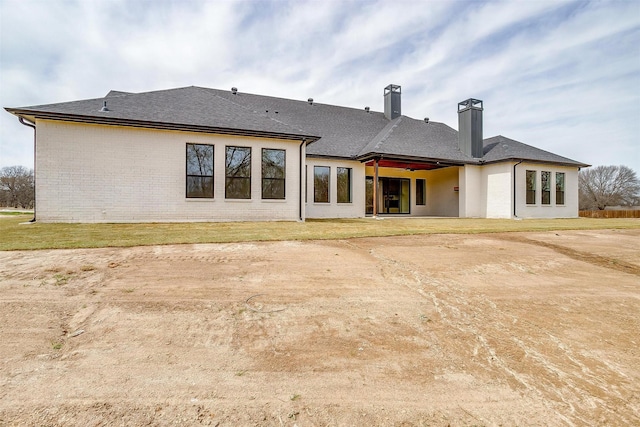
point(546, 187)
point(420, 192)
point(199, 171)
point(238, 173)
point(273, 173)
point(531, 187)
point(344, 185)
point(321, 184)
point(559, 188)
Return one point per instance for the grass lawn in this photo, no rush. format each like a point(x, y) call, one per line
point(14, 235)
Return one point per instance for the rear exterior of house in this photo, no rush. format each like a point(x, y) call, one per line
point(198, 154)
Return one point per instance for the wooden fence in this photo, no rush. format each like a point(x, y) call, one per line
point(610, 214)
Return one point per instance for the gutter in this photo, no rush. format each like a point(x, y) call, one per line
point(514, 188)
point(32, 125)
point(115, 121)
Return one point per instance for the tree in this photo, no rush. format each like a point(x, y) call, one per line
point(17, 187)
point(604, 186)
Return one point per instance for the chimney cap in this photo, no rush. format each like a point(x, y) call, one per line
point(470, 103)
point(234, 90)
point(392, 88)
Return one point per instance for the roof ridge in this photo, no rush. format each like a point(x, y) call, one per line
point(381, 136)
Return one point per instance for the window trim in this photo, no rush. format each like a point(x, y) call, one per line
point(349, 184)
point(562, 191)
point(188, 175)
point(422, 184)
point(328, 185)
point(531, 191)
point(284, 174)
point(545, 190)
point(227, 177)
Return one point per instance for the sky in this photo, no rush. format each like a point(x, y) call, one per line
point(563, 76)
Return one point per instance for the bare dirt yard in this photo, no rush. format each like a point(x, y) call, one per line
point(464, 330)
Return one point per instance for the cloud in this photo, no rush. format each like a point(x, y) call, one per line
point(564, 76)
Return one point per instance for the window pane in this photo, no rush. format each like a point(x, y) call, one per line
point(199, 186)
point(238, 188)
point(546, 187)
point(369, 195)
point(238, 173)
point(321, 184)
point(559, 188)
point(273, 174)
point(199, 170)
point(199, 159)
point(238, 162)
point(273, 188)
point(420, 187)
point(344, 185)
point(273, 163)
point(531, 187)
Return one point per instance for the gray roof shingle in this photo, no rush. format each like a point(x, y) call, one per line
point(500, 148)
point(339, 132)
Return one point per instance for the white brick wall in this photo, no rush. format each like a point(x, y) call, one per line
point(333, 209)
point(568, 210)
point(95, 173)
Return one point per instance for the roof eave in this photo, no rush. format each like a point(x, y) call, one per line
point(448, 162)
point(546, 162)
point(113, 121)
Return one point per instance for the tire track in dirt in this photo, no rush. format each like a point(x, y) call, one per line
point(572, 391)
point(594, 259)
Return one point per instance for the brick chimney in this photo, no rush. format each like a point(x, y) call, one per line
point(392, 102)
point(470, 127)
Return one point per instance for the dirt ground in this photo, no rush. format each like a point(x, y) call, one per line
point(464, 330)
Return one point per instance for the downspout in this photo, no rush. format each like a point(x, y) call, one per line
point(514, 188)
point(302, 179)
point(32, 125)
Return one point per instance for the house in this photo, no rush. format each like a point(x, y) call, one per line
point(199, 154)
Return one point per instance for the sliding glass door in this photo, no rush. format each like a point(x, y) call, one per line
point(393, 195)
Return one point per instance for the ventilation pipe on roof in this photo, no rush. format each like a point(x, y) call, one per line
point(104, 107)
point(234, 90)
point(426, 119)
point(366, 109)
point(310, 101)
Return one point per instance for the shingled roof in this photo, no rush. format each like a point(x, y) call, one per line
point(338, 132)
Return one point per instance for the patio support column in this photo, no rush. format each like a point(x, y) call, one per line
point(375, 187)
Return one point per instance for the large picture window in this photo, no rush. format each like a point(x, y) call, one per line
point(199, 171)
point(531, 187)
point(344, 185)
point(420, 192)
point(238, 173)
point(559, 188)
point(273, 173)
point(321, 184)
point(545, 178)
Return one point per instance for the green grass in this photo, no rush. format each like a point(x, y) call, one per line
point(8, 213)
point(16, 236)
